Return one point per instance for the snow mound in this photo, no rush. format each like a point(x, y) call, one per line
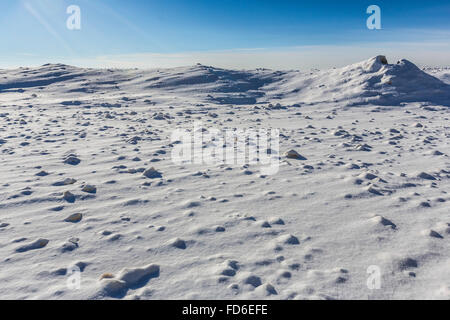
point(48, 74)
point(216, 85)
point(373, 81)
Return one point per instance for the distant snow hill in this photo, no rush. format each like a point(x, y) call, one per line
point(373, 81)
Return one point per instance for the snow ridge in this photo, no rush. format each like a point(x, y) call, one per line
point(373, 81)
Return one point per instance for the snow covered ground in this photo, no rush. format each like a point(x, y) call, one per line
point(371, 192)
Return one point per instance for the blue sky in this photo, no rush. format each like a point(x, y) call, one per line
point(240, 33)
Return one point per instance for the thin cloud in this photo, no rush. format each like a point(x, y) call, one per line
point(305, 57)
point(300, 57)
